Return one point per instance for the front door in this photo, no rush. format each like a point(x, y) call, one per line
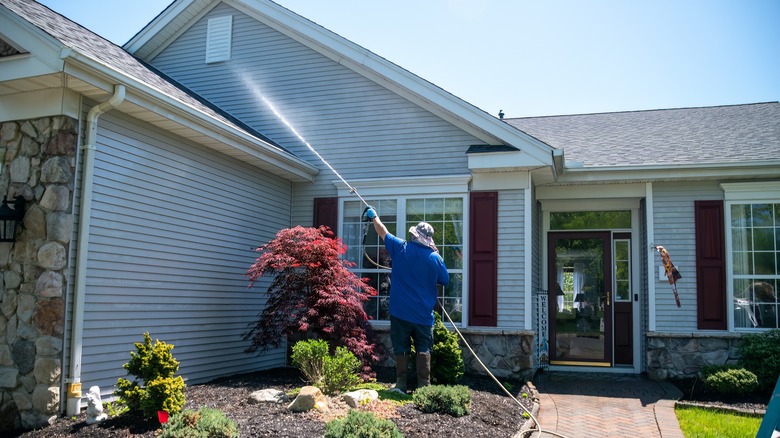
point(580, 296)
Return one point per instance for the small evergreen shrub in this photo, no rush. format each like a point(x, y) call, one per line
point(730, 380)
point(359, 424)
point(155, 388)
point(309, 357)
point(331, 373)
point(447, 367)
point(760, 354)
point(205, 423)
point(453, 400)
point(115, 409)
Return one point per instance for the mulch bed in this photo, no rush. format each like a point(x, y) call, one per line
point(492, 413)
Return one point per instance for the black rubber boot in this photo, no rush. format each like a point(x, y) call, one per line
point(423, 369)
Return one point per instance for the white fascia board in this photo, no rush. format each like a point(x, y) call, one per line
point(484, 181)
point(39, 103)
point(158, 102)
point(429, 96)
point(24, 66)
point(42, 48)
point(601, 191)
point(156, 25)
point(751, 191)
point(752, 170)
point(425, 185)
point(505, 161)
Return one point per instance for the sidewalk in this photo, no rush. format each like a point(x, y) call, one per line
point(581, 405)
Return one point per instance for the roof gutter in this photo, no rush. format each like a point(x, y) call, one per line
point(655, 172)
point(85, 212)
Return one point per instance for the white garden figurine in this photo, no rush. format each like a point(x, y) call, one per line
point(95, 406)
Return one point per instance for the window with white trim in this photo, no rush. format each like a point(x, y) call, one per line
point(755, 237)
point(753, 242)
point(364, 247)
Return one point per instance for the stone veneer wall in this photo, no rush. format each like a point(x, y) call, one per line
point(507, 353)
point(674, 355)
point(38, 158)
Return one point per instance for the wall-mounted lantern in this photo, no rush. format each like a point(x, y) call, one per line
point(9, 217)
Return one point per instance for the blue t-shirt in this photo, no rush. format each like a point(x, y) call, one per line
point(417, 269)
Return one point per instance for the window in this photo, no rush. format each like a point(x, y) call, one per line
point(755, 263)
point(622, 270)
point(366, 249)
point(593, 220)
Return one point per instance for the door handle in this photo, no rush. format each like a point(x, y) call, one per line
point(609, 295)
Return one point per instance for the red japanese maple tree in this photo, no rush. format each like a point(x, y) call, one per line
point(312, 293)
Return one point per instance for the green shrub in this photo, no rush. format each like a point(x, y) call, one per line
point(447, 365)
point(205, 423)
point(309, 356)
point(358, 424)
point(331, 374)
point(730, 380)
point(760, 354)
point(115, 409)
point(453, 400)
point(155, 387)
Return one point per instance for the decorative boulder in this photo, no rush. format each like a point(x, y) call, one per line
point(357, 398)
point(309, 398)
point(268, 396)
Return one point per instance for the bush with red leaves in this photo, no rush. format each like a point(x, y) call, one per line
point(312, 293)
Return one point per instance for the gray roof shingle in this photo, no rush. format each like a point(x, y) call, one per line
point(684, 136)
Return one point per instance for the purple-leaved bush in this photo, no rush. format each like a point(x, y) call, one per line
point(313, 293)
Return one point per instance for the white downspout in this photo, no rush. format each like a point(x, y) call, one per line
point(85, 212)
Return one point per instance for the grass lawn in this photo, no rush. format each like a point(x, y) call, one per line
point(698, 422)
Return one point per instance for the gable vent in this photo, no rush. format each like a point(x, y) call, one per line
point(218, 39)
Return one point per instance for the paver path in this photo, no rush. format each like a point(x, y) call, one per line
point(581, 405)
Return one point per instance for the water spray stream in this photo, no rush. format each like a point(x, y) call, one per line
point(292, 129)
point(255, 90)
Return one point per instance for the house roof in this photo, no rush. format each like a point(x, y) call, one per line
point(178, 16)
point(684, 137)
point(80, 46)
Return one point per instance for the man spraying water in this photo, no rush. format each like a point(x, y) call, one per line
point(417, 271)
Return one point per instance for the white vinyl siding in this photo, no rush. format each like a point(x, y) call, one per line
point(673, 222)
point(362, 129)
point(511, 259)
point(173, 231)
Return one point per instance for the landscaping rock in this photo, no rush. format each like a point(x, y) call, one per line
point(309, 398)
point(270, 395)
point(356, 398)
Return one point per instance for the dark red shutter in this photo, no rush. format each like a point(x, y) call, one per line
point(483, 260)
point(710, 265)
point(326, 212)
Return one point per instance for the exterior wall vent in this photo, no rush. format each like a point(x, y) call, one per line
point(218, 39)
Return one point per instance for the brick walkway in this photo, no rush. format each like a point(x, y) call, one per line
point(581, 405)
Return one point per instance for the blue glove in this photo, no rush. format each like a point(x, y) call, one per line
point(370, 214)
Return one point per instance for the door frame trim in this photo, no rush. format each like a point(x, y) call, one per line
point(639, 266)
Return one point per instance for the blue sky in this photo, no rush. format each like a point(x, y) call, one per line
point(534, 58)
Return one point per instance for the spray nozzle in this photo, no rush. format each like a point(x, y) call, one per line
point(364, 217)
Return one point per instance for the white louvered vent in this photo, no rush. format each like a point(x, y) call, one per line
point(218, 39)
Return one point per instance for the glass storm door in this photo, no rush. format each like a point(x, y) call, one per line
point(580, 297)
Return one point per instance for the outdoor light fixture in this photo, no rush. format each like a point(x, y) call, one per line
point(9, 217)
